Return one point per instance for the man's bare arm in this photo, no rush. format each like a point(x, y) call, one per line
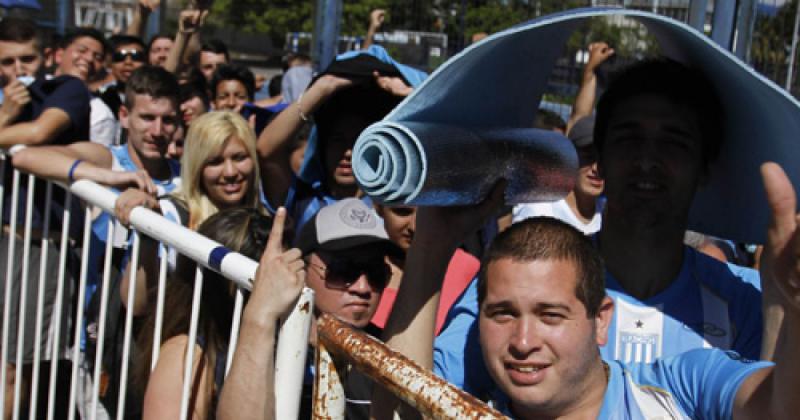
point(376, 18)
point(411, 325)
point(249, 392)
point(42, 130)
point(599, 52)
point(772, 392)
point(55, 162)
point(273, 143)
point(186, 39)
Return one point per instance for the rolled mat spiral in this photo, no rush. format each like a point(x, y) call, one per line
point(462, 129)
point(436, 164)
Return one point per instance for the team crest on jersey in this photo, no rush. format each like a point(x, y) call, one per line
point(639, 332)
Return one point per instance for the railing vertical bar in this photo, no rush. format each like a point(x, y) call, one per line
point(101, 328)
point(37, 348)
point(79, 308)
point(329, 400)
point(23, 295)
point(162, 286)
point(126, 350)
point(12, 236)
point(59, 307)
point(237, 320)
point(189, 363)
point(290, 357)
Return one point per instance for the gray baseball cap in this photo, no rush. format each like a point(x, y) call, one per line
point(346, 224)
point(582, 133)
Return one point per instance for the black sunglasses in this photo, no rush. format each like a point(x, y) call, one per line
point(135, 55)
point(340, 274)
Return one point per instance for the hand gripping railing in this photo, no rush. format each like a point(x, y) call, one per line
point(431, 395)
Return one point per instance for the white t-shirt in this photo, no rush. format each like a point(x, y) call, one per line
point(104, 127)
point(561, 211)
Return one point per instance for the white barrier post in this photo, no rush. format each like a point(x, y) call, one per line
point(290, 358)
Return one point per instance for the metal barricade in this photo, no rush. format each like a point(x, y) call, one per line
point(292, 339)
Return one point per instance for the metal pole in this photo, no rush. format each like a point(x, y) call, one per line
point(790, 72)
point(724, 16)
point(697, 14)
point(63, 16)
point(744, 28)
point(326, 32)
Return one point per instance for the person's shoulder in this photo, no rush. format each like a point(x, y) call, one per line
point(721, 276)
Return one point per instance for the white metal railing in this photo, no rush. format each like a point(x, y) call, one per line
point(292, 339)
point(421, 389)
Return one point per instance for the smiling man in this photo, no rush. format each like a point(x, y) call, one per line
point(657, 131)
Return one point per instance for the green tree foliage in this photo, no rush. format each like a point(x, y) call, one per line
point(772, 41)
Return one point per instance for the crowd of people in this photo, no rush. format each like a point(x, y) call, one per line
point(599, 305)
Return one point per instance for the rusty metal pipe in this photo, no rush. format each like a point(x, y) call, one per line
point(417, 386)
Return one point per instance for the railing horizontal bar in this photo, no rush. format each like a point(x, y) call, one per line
point(428, 393)
point(209, 253)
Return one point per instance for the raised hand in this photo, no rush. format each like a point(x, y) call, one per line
point(437, 225)
point(598, 53)
point(280, 276)
point(394, 85)
point(376, 18)
point(780, 263)
point(191, 20)
point(16, 97)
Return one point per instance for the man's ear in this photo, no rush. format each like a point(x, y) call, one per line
point(123, 116)
point(603, 320)
point(58, 56)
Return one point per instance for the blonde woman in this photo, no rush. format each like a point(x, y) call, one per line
point(219, 170)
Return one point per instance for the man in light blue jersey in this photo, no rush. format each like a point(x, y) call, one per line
point(544, 313)
point(657, 130)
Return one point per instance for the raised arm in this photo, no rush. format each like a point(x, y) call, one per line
point(599, 52)
point(772, 392)
point(249, 392)
point(376, 18)
point(274, 141)
point(189, 24)
point(140, 14)
point(411, 326)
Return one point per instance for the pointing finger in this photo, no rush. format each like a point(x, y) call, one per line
point(276, 234)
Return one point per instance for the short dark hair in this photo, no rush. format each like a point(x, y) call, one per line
point(194, 90)
point(214, 46)
point(153, 81)
point(274, 87)
point(234, 72)
point(545, 238)
point(675, 82)
point(156, 38)
point(117, 41)
point(76, 33)
point(19, 30)
point(548, 120)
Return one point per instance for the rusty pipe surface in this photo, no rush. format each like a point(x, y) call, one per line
point(329, 399)
point(417, 386)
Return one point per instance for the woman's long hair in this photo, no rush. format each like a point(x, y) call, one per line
point(243, 230)
point(207, 136)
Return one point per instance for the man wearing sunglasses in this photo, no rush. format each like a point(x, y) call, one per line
point(128, 53)
point(345, 248)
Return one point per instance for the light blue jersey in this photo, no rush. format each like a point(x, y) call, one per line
point(706, 306)
point(700, 384)
point(710, 304)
